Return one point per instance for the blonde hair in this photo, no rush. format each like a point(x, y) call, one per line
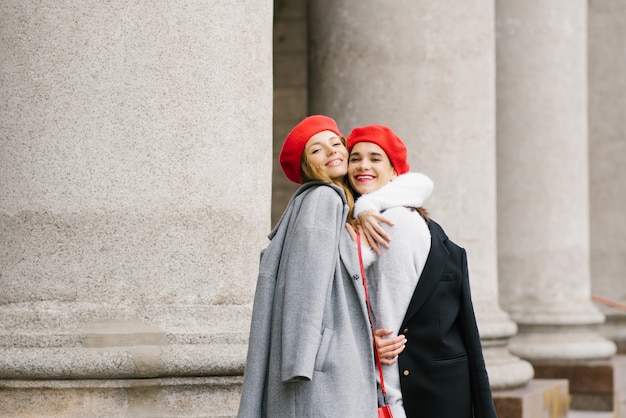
point(315, 173)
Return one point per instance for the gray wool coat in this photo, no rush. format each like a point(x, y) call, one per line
point(310, 352)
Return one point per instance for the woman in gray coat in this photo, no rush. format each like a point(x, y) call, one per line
point(311, 350)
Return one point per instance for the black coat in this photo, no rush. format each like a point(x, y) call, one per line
point(442, 369)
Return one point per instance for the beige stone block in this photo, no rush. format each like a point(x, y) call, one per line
point(122, 333)
point(594, 385)
point(540, 398)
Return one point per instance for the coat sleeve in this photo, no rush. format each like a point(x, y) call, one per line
point(482, 400)
point(309, 269)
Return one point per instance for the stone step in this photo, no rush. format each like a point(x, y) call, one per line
point(191, 397)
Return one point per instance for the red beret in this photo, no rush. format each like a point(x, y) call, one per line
point(291, 154)
point(384, 138)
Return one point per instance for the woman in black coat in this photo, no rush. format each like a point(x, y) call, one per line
point(420, 291)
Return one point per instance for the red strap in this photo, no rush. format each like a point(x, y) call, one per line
point(369, 311)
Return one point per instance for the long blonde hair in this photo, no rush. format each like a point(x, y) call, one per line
point(315, 173)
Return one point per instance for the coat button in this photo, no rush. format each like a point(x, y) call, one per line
point(406, 373)
point(405, 331)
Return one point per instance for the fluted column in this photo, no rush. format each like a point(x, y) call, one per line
point(426, 69)
point(607, 153)
point(135, 173)
point(543, 180)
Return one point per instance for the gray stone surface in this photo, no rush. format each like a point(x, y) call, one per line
point(136, 186)
point(543, 181)
point(136, 398)
point(607, 151)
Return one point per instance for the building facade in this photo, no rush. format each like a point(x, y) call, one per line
point(140, 179)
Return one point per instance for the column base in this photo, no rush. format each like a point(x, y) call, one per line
point(78, 360)
point(540, 398)
point(594, 385)
point(211, 341)
point(614, 328)
point(559, 343)
point(505, 370)
point(163, 397)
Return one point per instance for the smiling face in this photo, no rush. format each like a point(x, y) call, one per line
point(326, 152)
point(369, 168)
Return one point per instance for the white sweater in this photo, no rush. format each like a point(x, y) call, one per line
point(392, 278)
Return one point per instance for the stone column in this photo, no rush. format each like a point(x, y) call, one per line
point(607, 153)
point(426, 69)
point(135, 173)
point(290, 89)
point(543, 179)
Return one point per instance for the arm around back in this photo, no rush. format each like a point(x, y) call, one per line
point(410, 189)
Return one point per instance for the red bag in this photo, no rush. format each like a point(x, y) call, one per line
point(385, 410)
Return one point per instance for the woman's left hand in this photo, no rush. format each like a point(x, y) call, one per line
point(389, 348)
point(373, 232)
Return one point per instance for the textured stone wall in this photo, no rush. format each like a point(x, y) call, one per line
point(135, 173)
